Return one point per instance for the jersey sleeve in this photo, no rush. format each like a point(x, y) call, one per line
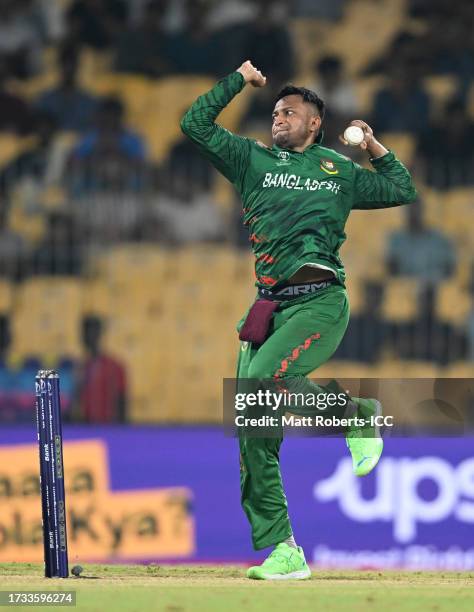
point(226, 151)
point(390, 185)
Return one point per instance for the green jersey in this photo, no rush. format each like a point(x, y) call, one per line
point(295, 204)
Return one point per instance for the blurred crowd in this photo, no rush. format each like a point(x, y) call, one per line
point(108, 174)
point(112, 191)
point(93, 390)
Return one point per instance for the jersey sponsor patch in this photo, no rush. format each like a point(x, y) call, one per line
point(328, 166)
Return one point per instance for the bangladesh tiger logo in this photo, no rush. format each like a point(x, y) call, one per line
point(328, 166)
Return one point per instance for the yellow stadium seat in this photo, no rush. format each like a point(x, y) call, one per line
point(366, 88)
point(46, 317)
point(462, 197)
point(96, 298)
point(6, 296)
point(93, 66)
point(440, 89)
point(453, 303)
point(370, 229)
point(464, 268)
point(12, 145)
point(34, 87)
point(433, 205)
point(421, 369)
point(378, 27)
point(401, 143)
point(390, 368)
point(458, 210)
point(400, 302)
point(131, 262)
point(459, 369)
point(172, 96)
point(305, 32)
point(169, 97)
point(354, 292)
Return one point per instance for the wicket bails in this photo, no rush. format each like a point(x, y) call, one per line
point(48, 417)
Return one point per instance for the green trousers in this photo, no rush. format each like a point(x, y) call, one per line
point(302, 337)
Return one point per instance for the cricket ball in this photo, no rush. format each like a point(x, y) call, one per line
point(354, 135)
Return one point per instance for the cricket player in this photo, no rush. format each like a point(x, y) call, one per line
point(297, 196)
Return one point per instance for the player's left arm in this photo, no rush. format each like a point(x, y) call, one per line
point(390, 185)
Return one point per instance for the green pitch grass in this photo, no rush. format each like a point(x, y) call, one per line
point(225, 589)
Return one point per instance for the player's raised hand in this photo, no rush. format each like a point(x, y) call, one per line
point(369, 143)
point(252, 75)
point(366, 129)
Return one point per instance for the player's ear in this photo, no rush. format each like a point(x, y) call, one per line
point(315, 123)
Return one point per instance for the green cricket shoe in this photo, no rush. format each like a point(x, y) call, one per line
point(284, 563)
point(365, 443)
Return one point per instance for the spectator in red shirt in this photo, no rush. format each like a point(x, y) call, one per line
point(103, 382)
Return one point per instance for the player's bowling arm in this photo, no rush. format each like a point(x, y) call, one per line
point(226, 151)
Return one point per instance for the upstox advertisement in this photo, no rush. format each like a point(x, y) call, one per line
point(151, 493)
point(415, 511)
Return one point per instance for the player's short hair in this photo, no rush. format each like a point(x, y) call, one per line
point(308, 96)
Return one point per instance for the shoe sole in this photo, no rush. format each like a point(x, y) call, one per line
point(299, 575)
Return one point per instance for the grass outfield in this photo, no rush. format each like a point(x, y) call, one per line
point(225, 589)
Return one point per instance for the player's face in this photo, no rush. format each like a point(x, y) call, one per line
point(294, 122)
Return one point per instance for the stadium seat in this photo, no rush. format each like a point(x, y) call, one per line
point(46, 318)
point(33, 87)
point(440, 88)
point(108, 84)
point(96, 298)
point(366, 89)
point(305, 31)
point(138, 261)
point(453, 303)
point(6, 296)
point(378, 27)
point(26, 217)
point(400, 302)
point(94, 68)
point(458, 369)
point(464, 273)
point(11, 146)
point(433, 205)
point(421, 369)
point(354, 292)
point(402, 143)
point(390, 368)
point(169, 97)
point(458, 208)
